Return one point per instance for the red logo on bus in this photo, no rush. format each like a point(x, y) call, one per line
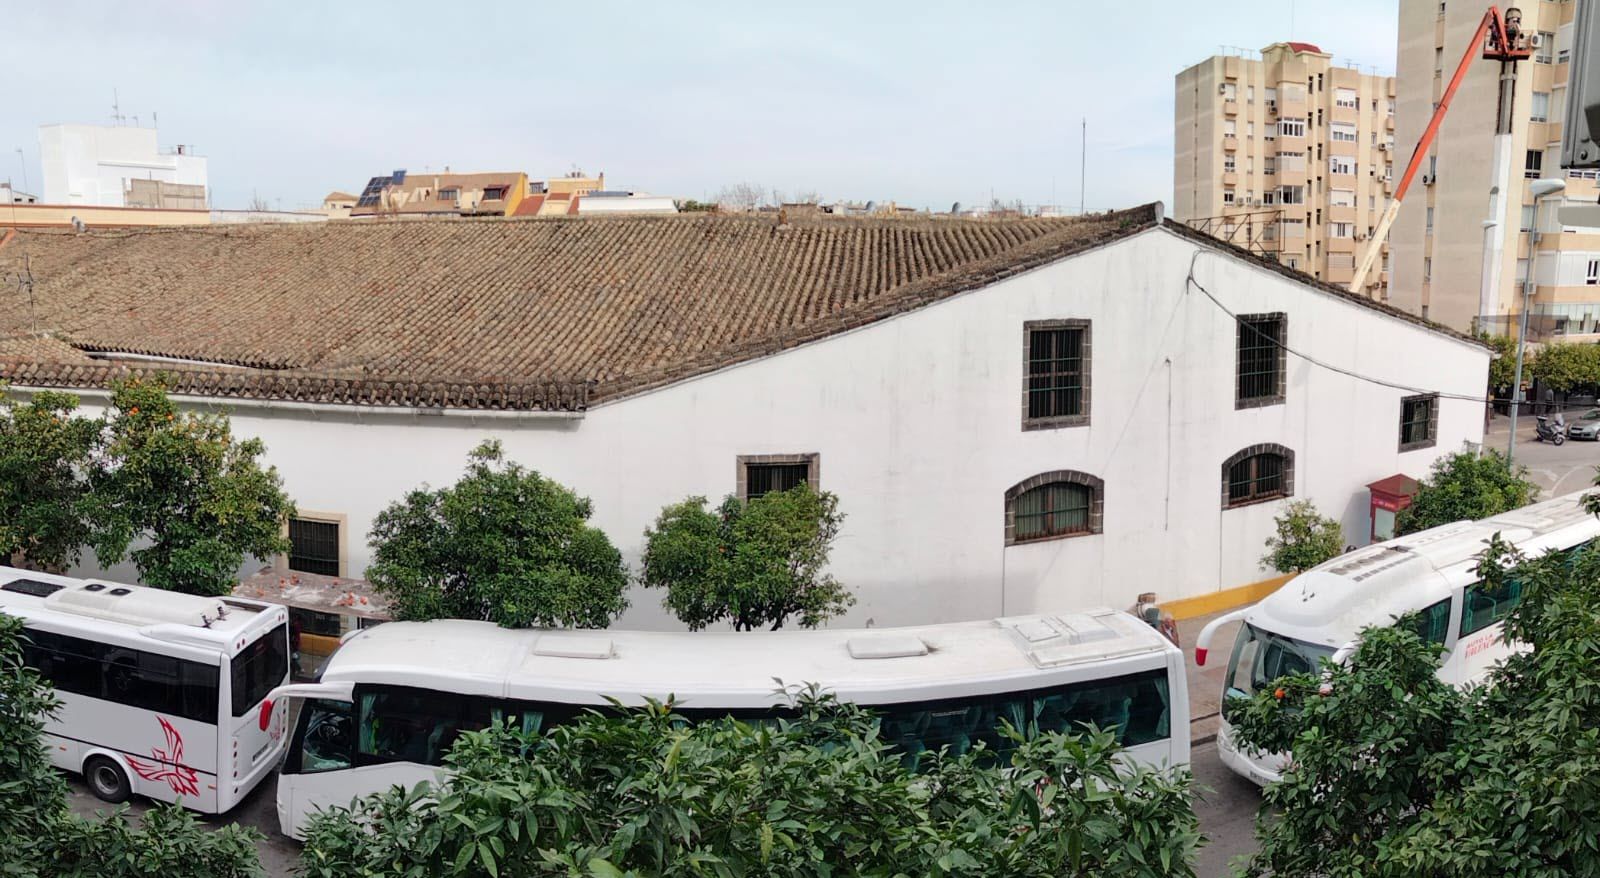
point(169, 764)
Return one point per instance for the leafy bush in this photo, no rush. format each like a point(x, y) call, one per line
point(754, 564)
point(643, 794)
point(39, 837)
point(503, 544)
point(1466, 486)
point(1396, 773)
point(1304, 539)
point(45, 455)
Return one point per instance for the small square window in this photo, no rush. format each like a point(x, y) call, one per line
point(1419, 421)
point(1055, 388)
point(314, 546)
point(449, 194)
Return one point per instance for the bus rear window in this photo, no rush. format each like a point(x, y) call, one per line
point(259, 668)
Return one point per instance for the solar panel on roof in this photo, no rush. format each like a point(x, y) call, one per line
point(398, 177)
point(32, 587)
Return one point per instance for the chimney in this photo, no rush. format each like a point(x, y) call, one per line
point(602, 180)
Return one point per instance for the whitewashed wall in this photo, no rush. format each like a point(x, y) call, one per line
point(917, 421)
point(91, 164)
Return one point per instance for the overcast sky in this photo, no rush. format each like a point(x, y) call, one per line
point(921, 102)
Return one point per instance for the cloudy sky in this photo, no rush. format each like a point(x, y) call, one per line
point(922, 102)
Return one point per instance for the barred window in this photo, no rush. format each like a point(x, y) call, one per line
point(1419, 421)
point(1051, 505)
point(314, 546)
point(1255, 477)
point(1261, 359)
point(1056, 375)
point(766, 478)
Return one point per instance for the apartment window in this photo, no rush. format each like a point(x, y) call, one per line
point(314, 546)
point(1291, 195)
point(1292, 127)
point(1341, 164)
point(1522, 272)
point(494, 193)
point(1564, 44)
point(1293, 228)
point(1342, 197)
point(1592, 273)
point(1344, 97)
point(1388, 172)
point(1249, 94)
point(1293, 262)
point(1261, 360)
point(449, 194)
point(1341, 230)
point(1227, 195)
point(1053, 505)
point(1269, 165)
point(1430, 219)
point(1230, 91)
point(1257, 474)
point(1427, 268)
point(1250, 129)
point(1546, 41)
point(1372, 202)
point(1344, 132)
point(1419, 421)
point(1292, 161)
point(1055, 391)
point(759, 474)
point(1529, 217)
point(1228, 163)
point(1534, 164)
point(1438, 62)
point(1540, 111)
point(1441, 7)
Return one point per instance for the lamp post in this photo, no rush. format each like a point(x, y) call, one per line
point(1541, 189)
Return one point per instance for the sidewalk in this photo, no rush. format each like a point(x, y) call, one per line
point(1205, 684)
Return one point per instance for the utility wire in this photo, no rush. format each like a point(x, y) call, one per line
point(1329, 366)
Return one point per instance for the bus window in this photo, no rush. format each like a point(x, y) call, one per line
point(1483, 608)
point(260, 668)
point(1433, 622)
point(1260, 657)
point(327, 737)
point(132, 677)
point(400, 724)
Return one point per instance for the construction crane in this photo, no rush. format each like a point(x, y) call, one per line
point(1502, 40)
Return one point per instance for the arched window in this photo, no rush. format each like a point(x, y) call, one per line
point(1256, 474)
point(1053, 505)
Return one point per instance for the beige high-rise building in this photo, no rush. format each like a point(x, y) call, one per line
point(1439, 239)
point(1287, 154)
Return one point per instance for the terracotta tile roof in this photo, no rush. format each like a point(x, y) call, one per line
point(521, 314)
point(529, 206)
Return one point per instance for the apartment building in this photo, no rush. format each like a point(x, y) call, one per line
point(1287, 155)
point(441, 195)
point(1439, 239)
point(119, 166)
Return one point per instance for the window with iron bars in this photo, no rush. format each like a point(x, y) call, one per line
point(1056, 377)
point(314, 546)
point(1261, 360)
point(1419, 421)
point(1256, 478)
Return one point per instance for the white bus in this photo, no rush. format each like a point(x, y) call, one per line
point(162, 694)
point(393, 698)
point(1319, 613)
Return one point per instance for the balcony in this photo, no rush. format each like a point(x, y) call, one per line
point(1230, 142)
point(1340, 213)
point(1230, 108)
point(1341, 245)
point(1230, 178)
point(1388, 122)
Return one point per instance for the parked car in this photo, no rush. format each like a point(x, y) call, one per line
point(1585, 426)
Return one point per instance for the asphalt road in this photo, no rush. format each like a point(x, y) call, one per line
point(1227, 817)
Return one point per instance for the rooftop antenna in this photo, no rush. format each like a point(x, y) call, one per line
point(154, 121)
point(1083, 164)
point(116, 109)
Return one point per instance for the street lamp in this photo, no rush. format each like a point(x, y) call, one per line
point(1541, 189)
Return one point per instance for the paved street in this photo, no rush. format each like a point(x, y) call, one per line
point(1555, 469)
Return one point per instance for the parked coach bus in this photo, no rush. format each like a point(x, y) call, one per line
point(162, 694)
point(1319, 613)
point(393, 698)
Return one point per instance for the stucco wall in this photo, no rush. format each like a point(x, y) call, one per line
point(917, 420)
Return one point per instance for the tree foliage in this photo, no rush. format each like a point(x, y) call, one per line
point(1503, 365)
point(40, 838)
point(1466, 486)
point(181, 483)
point(1396, 773)
point(644, 794)
point(753, 564)
point(46, 452)
point(1563, 367)
point(1304, 539)
point(194, 500)
point(503, 544)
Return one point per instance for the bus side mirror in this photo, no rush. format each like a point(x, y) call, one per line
point(266, 714)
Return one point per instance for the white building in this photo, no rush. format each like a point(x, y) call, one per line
point(9, 195)
point(1018, 415)
point(624, 202)
point(100, 165)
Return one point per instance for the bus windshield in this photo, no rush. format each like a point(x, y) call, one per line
point(1260, 657)
point(259, 668)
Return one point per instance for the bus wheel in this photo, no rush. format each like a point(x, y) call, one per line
point(106, 780)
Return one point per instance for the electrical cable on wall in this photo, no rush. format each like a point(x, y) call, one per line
point(1329, 366)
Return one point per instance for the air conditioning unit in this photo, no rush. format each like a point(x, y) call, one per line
point(1222, 88)
point(1272, 107)
point(1535, 41)
point(1427, 179)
